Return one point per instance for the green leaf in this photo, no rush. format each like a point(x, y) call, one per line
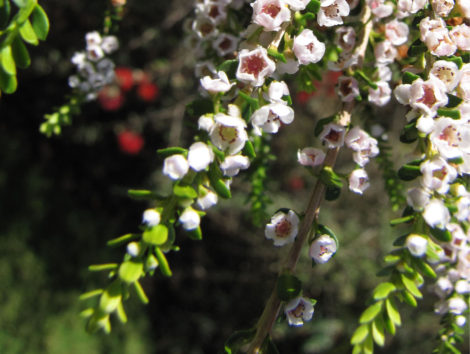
point(288, 287)
point(314, 6)
point(442, 235)
point(28, 34)
point(111, 297)
point(330, 178)
point(217, 182)
point(378, 331)
point(21, 3)
point(402, 220)
point(249, 150)
point(186, 192)
point(8, 63)
point(408, 298)
point(276, 55)
point(229, 67)
point(392, 312)
point(361, 76)
point(409, 133)
point(90, 294)
point(140, 292)
point(411, 286)
point(156, 235)
point(142, 194)
point(360, 334)
point(383, 290)
point(425, 268)
point(389, 325)
point(163, 153)
point(124, 239)
point(121, 314)
point(40, 22)
point(195, 234)
point(371, 312)
point(253, 102)
point(408, 77)
point(239, 339)
point(409, 172)
point(102, 267)
point(20, 53)
point(453, 101)
point(321, 124)
point(130, 271)
point(163, 263)
point(449, 112)
point(5, 10)
point(332, 193)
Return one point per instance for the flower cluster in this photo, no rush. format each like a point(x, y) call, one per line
point(94, 68)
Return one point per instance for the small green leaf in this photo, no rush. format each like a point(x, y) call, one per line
point(389, 325)
point(332, 193)
point(371, 312)
point(411, 286)
point(5, 10)
point(101, 267)
point(392, 312)
point(28, 34)
point(163, 153)
point(449, 112)
point(276, 55)
point(408, 77)
point(360, 334)
point(156, 235)
point(425, 268)
point(229, 67)
point(121, 314)
point(288, 287)
point(195, 234)
point(378, 331)
point(111, 297)
point(361, 76)
point(163, 263)
point(21, 3)
point(140, 292)
point(8, 63)
point(330, 178)
point(453, 101)
point(408, 298)
point(409, 133)
point(130, 271)
point(90, 294)
point(249, 150)
point(402, 220)
point(124, 239)
point(253, 102)
point(383, 290)
point(314, 6)
point(20, 53)
point(186, 192)
point(142, 194)
point(409, 172)
point(40, 22)
point(442, 235)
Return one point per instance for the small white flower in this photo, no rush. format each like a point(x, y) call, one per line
point(310, 156)
point(436, 213)
point(460, 321)
point(225, 44)
point(417, 198)
point(348, 88)
point(331, 12)
point(207, 200)
point(276, 91)
point(464, 7)
point(385, 52)
point(448, 72)
point(333, 135)
point(456, 305)
point(379, 9)
point(151, 217)
point(233, 164)
point(200, 156)
point(109, 44)
point(451, 137)
point(270, 14)
point(307, 48)
point(442, 7)
point(380, 96)
point(462, 286)
point(345, 38)
point(358, 181)
point(175, 166)
point(133, 249)
point(443, 287)
point(461, 36)
point(437, 174)
point(93, 38)
point(254, 66)
point(270, 117)
point(283, 228)
point(297, 5)
point(298, 310)
point(417, 245)
point(322, 249)
point(206, 122)
point(190, 219)
point(219, 84)
point(228, 133)
point(396, 32)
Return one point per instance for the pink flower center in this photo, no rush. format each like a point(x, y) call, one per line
point(451, 136)
point(283, 228)
point(323, 251)
point(440, 174)
point(253, 64)
point(331, 11)
point(428, 98)
point(298, 311)
point(333, 135)
point(225, 44)
point(214, 11)
point(271, 9)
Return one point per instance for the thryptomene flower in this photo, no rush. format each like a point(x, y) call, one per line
point(233, 164)
point(461, 36)
point(270, 117)
point(190, 219)
point(436, 213)
point(133, 249)
point(396, 32)
point(200, 156)
point(276, 91)
point(437, 174)
point(417, 245)
point(345, 38)
point(283, 228)
point(380, 96)
point(225, 44)
point(379, 8)
point(442, 7)
point(417, 198)
point(175, 166)
point(307, 48)
point(297, 5)
point(448, 72)
point(358, 181)
point(407, 7)
point(451, 137)
point(464, 8)
point(333, 135)
point(151, 217)
point(270, 14)
point(207, 200)
point(254, 66)
point(219, 84)
point(348, 88)
point(228, 131)
point(385, 52)
point(331, 12)
point(310, 156)
point(298, 310)
point(435, 35)
point(322, 249)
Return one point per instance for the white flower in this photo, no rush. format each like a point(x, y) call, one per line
point(207, 200)
point(331, 12)
point(456, 305)
point(435, 35)
point(462, 286)
point(379, 9)
point(380, 96)
point(93, 38)
point(333, 135)
point(443, 287)
point(396, 32)
point(133, 249)
point(307, 48)
point(348, 88)
point(451, 137)
point(109, 44)
point(200, 156)
point(94, 53)
point(219, 84)
point(417, 245)
point(310, 156)
point(270, 14)
point(345, 38)
point(417, 198)
point(228, 133)
point(283, 228)
point(407, 7)
point(276, 91)
point(442, 7)
point(204, 27)
point(175, 166)
point(297, 5)
point(233, 164)
point(460, 321)
point(270, 117)
point(254, 66)
point(322, 249)
point(190, 219)
point(461, 36)
point(448, 72)
point(436, 213)
point(437, 174)
point(385, 52)
point(358, 181)
point(464, 7)
point(298, 310)
point(151, 217)
point(290, 67)
point(206, 122)
point(225, 44)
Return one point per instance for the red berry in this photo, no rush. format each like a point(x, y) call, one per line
point(130, 143)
